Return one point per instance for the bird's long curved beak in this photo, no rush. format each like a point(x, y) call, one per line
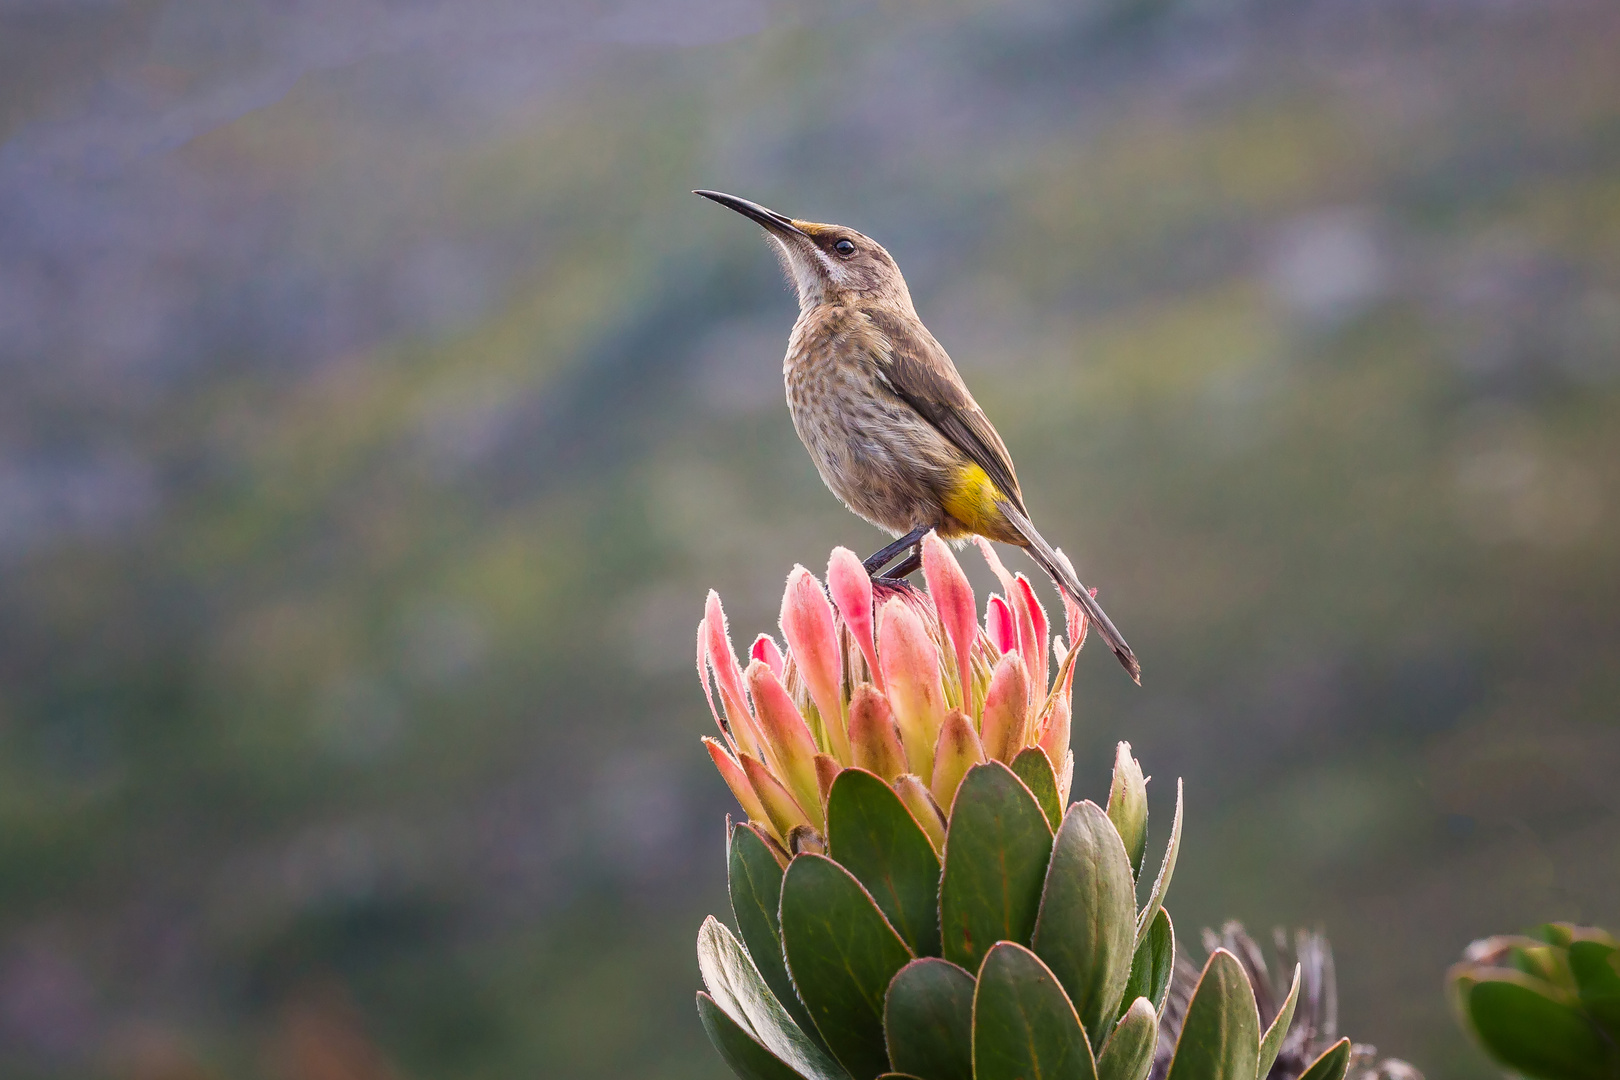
point(777, 223)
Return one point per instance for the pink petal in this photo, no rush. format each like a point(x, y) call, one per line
point(812, 638)
point(1009, 586)
point(728, 675)
point(953, 599)
point(957, 752)
point(998, 623)
point(764, 648)
point(1004, 726)
point(708, 687)
point(731, 772)
point(874, 741)
point(827, 771)
point(915, 794)
point(781, 808)
point(1055, 737)
point(789, 746)
point(851, 588)
point(911, 670)
point(1037, 614)
point(1074, 614)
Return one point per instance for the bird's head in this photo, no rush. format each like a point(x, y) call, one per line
point(825, 263)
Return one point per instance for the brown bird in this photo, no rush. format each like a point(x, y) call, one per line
point(884, 414)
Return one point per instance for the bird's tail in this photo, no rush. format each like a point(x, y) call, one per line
point(1063, 576)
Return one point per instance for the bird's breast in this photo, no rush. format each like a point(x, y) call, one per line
point(875, 452)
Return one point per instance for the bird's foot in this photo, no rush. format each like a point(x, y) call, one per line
point(897, 574)
point(881, 558)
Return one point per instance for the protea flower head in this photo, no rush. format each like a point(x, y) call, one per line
point(915, 897)
point(905, 684)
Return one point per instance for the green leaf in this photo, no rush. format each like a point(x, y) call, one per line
point(842, 953)
point(738, 989)
point(928, 1019)
point(1220, 1037)
point(755, 879)
point(1086, 929)
point(1128, 1052)
point(1331, 1065)
point(1023, 1024)
point(747, 1058)
point(1153, 964)
point(873, 836)
point(1161, 884)
point(995, 862)
point(897, 1076)
point(1271, 1043)
point(1596, 966)
point(1525, 1028)
point(1034, 768)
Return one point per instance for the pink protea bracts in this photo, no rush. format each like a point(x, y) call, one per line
point(888, 678)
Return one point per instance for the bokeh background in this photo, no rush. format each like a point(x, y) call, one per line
point(376, 407)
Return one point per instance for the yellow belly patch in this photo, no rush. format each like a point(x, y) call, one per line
point(971, 501)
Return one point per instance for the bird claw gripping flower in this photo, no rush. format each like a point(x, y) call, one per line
point(913, 891)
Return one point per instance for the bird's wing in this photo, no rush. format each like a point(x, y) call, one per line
point(922, 375)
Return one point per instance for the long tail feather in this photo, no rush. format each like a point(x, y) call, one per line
point(1064, 578)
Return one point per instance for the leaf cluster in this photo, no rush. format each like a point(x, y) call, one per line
point(1545, 1004)
point(1022, 952)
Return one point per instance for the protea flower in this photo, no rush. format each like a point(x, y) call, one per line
point(1545, 1004)
point(905, 685)
point(911, 897)
point(1313, 1035)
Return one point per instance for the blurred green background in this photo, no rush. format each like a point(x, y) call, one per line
point(376, 407)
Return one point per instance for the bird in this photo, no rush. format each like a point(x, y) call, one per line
point(885, 415)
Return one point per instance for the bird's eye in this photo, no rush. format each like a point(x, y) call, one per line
point(844, 247)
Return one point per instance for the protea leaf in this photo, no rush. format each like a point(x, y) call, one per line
point(928, 1019)
point(755, 881)
point(1220, 1038)
point(1086, 928)
point(1167, 868)
point(1128, 1052)
point(1331, 1065)
point(1271, 1042)
point(744, 1053)
point(996, 850)
point(1524, 1025)
point(1023, 1023)
point(873, 836)
point(740, 992)
point(1034, 768)
point(1596, 968)
point(842, 953)
point(1154, 963)
point(1545, 1004)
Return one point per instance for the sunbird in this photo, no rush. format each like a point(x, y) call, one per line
point(887, 419)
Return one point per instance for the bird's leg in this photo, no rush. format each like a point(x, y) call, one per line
point(876, 562)
point(900, 570)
